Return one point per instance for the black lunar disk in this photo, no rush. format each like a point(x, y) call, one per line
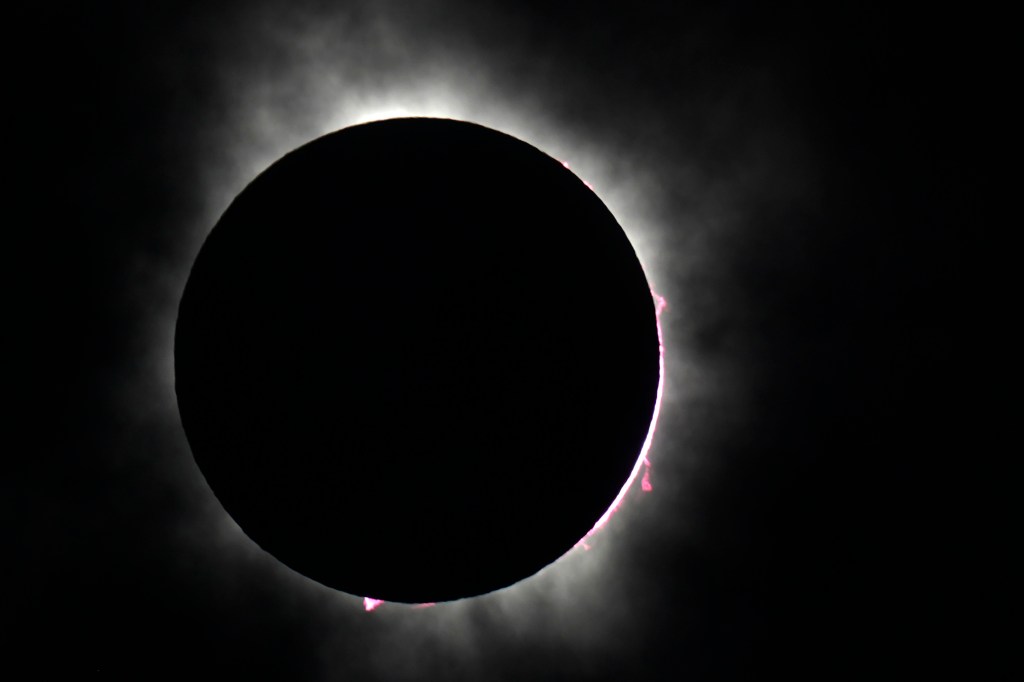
point(416, 360)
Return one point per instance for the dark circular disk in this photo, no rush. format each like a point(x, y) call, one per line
point(416, 360)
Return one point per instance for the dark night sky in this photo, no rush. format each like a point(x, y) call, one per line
point(802, 187)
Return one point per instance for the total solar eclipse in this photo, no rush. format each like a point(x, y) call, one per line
point(417, 360)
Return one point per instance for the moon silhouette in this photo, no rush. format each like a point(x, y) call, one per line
point(416, 359)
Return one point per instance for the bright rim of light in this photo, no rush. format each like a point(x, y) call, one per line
point(642, 460)
point(255, 131)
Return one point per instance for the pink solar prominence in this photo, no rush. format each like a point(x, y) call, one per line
point(591, 187)
point(642, 461)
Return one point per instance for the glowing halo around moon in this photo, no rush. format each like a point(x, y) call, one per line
point(251, 128)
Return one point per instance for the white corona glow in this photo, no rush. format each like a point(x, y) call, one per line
point(273, 78)
point(256, 124)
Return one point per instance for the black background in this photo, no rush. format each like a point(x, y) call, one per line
point(823, 506)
